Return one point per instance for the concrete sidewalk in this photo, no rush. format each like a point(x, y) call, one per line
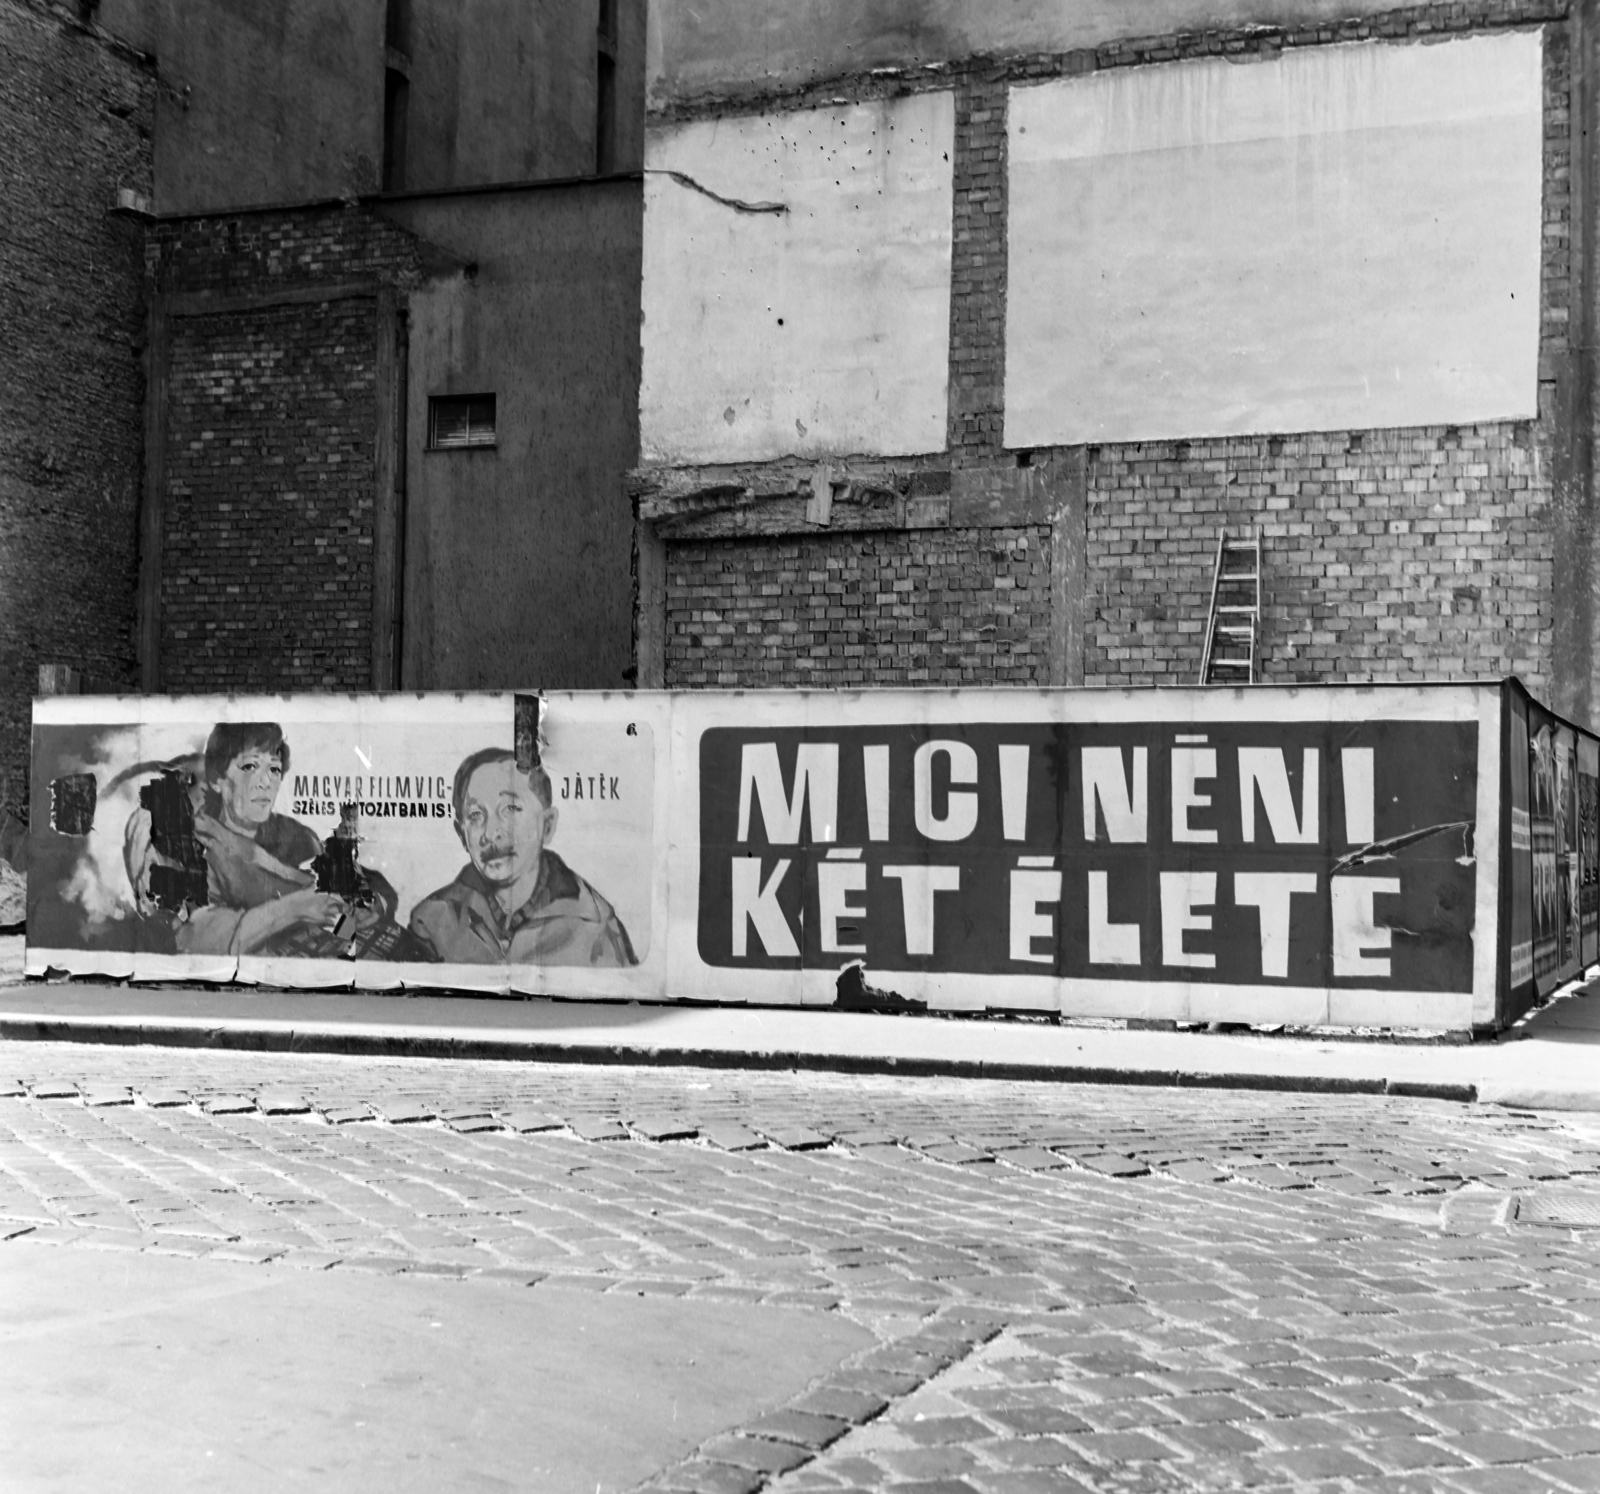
point(1551, 1060)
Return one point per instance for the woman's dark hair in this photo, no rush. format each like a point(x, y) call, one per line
point(229, 738)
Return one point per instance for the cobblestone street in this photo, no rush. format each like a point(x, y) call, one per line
point(1068, 1287)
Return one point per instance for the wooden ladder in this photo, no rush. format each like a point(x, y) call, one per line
point(1233, 627)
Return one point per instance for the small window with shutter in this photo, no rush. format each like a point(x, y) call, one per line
point(456, 420)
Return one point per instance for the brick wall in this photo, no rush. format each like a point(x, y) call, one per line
point(75, 120)
point(1387, 555)
point(257, 251)
point(1390, 555)
point(266, 579)
point(271, 429)
point(924, 607)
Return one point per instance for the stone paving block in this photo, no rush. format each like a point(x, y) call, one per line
point(1405, 1454)
point(1437, 1388)
point(1310, 1463)
point(99, 1095)
point(378, 1265)
point(1288, 1403)
point(1495, 1447)
point(868, 1136)
point(698, 1477)
point(53, 1089)
point(728, 1137)
point(1032, 1452)
point(344, 1115)
point(598, 1128)
point(405, 1112)
point(803, 1428)
point(1569, 1441)
point(956, 1152)
point(467, 1125)
point(530, 1122)
point(926, 1463)
point(1211, 1438)
point(1032, 1158)
point(1126, 1415)
point(1508, 1478)
point(796, 1138)
point(1574, 1473)
point(1029, 1481)
point(664, 1128)
point(311, 1260)
point(1121, 1447)
point(931, 1431)
point(163, 1097)
point(875, 1381)
point(755, 1453)
point(857, 1406)
point(1111, 1166)
point(245, 1253)
point(12, 1089)
point(281, 1102)
point(228, 1104)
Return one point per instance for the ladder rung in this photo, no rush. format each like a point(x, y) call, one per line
point(1239, 608)
point(1220, 663)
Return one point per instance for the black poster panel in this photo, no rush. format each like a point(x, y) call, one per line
point(1589, 848)
point(1241, 853)
point(1543, 816)
point(1568, 869)
point(1517, 865)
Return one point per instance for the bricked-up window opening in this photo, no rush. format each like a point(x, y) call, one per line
point(605, 93)
point(460, 420)
point(396, 104)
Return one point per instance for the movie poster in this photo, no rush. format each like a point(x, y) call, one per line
point(446, 840)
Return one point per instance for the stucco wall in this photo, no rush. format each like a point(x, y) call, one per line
point(804, 307)
point(1339, 237)
point(517, 557)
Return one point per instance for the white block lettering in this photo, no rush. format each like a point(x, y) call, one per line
point(1354, 931)
point(816, 768)
point(875, 770)
point(758, 905)
point(1109, 943)
point(1264, 768)
point(1181, 893)
point(918, 884)
point(1014, 792)
point(1270, 892)
point(960, 817)
point(1030, 890)
point(1189, 766)
point(836, 880)
point(1123, 804)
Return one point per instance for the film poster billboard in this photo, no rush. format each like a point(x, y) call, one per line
point(1300, 855)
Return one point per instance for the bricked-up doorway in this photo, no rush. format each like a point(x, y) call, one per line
point(272, 532)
